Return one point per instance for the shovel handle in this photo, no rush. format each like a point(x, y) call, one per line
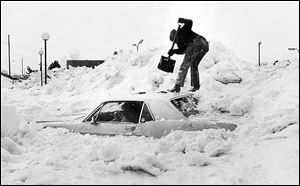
point(174, 39)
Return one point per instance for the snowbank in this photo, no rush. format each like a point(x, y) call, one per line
point(263, 101)
point(9, 120)
point(5, 82)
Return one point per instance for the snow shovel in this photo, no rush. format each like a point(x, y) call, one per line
point(167, 64)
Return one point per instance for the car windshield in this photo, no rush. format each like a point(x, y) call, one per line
point(119, 111)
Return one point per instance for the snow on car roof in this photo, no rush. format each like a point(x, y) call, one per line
point(143, 96)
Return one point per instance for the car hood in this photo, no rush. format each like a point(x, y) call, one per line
point(69, 122)
point(71, 125)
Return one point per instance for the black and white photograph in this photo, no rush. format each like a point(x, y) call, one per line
point(149, 92)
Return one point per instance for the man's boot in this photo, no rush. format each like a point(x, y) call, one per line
point(176, 88)
point(195, 88)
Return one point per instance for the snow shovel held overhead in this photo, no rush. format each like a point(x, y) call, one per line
point(167, 64)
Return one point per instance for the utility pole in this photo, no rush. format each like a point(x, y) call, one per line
point(259, 43)
point(137, 45)
point(22, 66)
point(8, 56)
point(45, 62)
point(41, 67)
point(45, 37)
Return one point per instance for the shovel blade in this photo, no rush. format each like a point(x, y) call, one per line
point(166, 64)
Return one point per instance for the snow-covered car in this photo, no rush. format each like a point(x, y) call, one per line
point(155, 115)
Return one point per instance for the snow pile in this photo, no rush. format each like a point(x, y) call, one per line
point(125, 73)
point(9, 120)
point(266, 89)
point(5, 82)
point(194, 158)
point(196, 141)
point(240, 107)
point(144, 162)
point(101, 157)
point(128, 71)
point(106, 152)
point(263, 101)
point(10, 146)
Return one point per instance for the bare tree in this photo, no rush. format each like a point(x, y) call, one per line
point(75, 55)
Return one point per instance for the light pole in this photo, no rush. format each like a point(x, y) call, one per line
point(8, 55)
point(259, 43)
point(45, 37)
point(41, 69)
point(294, 49)
point(22, 66)
point(137, 45)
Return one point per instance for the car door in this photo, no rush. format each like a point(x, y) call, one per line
point(160, 120)
point(158, 129)
point(106, 128)
point(113, 118)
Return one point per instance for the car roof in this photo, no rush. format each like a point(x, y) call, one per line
point(159, 102)
point(145, 96)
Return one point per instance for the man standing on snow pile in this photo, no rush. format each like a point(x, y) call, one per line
point(194, 46)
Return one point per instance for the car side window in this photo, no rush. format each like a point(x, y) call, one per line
point(146, 115)
point(120, 111)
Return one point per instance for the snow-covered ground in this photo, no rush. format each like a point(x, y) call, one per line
point(264, 149)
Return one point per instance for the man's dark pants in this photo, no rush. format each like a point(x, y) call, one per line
point(194, 54)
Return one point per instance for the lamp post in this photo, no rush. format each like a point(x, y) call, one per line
point(45, 37)
point(22, 66)
point(8, 55)
point(137, 45)
point(294, 49)
point(259, 43)
point(41, 69)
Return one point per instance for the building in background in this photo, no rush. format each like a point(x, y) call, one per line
point(86, 63)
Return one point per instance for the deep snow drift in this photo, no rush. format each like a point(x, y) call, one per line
point(263, 150)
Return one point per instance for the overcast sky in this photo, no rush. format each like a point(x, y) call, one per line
point(96, 29)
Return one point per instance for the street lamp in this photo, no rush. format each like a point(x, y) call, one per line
point(22, 66)
point(45, 37)
point(41, 69)
point(9, 55)
point(259, 43)
point(137, 45)
point(294, 49)
point(8, 43)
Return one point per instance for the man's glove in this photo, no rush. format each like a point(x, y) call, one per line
point(171, 52)
point(181, 20)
